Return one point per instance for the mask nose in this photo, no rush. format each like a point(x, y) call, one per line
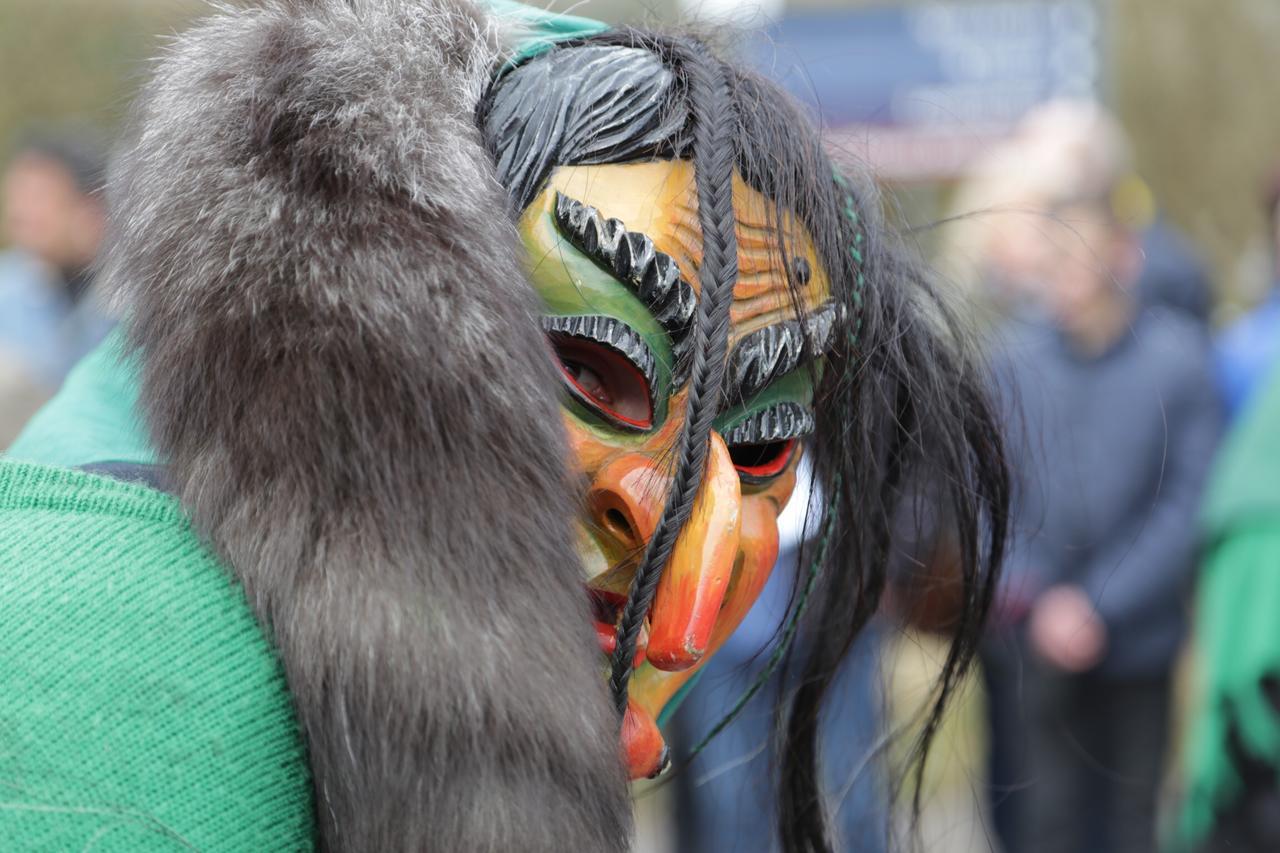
point(625, 502)
point(692, 590)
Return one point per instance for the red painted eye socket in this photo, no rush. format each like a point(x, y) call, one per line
point(605, 380)
point(761, 461)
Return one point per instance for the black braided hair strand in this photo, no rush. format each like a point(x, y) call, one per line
point(712, 114)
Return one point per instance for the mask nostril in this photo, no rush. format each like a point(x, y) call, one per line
point(618, 524)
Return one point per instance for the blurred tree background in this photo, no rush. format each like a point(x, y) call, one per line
point(77, 61)
point(1194, 82)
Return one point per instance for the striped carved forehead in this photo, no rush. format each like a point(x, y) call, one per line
point(659, 200)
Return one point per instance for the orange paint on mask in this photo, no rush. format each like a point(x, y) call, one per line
point(724, 555)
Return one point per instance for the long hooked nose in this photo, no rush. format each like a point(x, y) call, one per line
point(693, 586)
point(626, 500)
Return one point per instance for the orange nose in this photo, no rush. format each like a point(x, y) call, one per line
point(693, 586)
point(626, 501)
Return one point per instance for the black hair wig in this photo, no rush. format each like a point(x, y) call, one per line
point(901, 403)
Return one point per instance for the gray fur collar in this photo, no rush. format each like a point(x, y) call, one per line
point(342, 370)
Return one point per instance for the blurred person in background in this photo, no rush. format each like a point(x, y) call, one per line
point(1115, 418)
point(1248, 348)
point(997, 222)
point(999, 225)
point(1232, 756)
point(52, 219)
point(725, 800)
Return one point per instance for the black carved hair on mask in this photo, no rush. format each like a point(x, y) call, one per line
point(905, 427)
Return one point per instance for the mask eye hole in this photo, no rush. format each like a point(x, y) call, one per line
point(604, 380)
point(759, 462)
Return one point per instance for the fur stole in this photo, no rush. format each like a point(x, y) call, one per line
point(343, 372)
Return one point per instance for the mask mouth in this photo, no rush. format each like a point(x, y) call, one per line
point(644, 749)
point(664, 761)
point(606, 612)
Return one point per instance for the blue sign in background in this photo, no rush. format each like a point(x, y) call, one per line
point(934, 64)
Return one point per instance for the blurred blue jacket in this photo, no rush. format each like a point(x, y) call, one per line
point(41, 328)
point(1111, 454)
point(1247, 351)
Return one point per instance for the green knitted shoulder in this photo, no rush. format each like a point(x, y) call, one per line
point(142, 706)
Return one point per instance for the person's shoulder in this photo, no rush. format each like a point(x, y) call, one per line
point(94, 417)
point(134, 675)
point(1256, 331)
point(1177, 360)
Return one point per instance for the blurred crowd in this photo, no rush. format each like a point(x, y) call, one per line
point(52, 223)
point(1132, 522)
point(1118, 394)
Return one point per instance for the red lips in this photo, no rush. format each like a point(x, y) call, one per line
point(606, 608)
point(643, 746)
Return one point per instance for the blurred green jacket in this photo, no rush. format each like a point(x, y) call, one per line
point(1233, 753)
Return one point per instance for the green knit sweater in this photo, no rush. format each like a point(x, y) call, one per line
point(141, 707)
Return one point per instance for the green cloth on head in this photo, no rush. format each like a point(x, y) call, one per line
point(537, 29)
point(1237, 634)
point(142, 707)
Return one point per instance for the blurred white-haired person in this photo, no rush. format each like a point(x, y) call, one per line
point(1115, 417)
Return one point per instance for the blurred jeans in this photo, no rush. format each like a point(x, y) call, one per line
point(1096, 752)
point(1008, 777)
point(725, 798)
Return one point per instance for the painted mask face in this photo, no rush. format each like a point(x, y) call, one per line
point(619, 295)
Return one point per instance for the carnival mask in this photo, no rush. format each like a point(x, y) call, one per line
point(613, 251)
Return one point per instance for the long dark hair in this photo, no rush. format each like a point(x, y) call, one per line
point(901, 403)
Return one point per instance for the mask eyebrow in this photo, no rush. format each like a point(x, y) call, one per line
point(766, 354)
point(779, 422)
point(632, 259)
